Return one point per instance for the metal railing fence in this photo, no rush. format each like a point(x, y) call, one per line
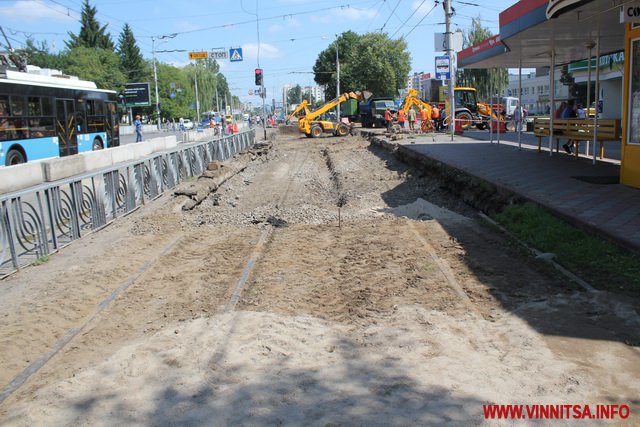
point(38, 221)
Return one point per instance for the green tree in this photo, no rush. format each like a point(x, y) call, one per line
point(481, 79)
point(41, 56)
point(98, 65)
point(91, 33)
point(308, 96)
point(367, 62)
point(294, 95)
point(132, 64)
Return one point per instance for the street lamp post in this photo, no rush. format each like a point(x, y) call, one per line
point(155, 72)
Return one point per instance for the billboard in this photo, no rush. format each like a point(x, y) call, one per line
point(137, 94)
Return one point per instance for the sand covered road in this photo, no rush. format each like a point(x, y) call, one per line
point(257, 308)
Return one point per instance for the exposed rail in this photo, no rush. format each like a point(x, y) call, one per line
point(37, 222)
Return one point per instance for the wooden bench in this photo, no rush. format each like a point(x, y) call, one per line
point(577, 130)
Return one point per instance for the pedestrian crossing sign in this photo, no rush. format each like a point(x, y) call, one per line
point(235, 54)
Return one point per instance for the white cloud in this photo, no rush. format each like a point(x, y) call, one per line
point(267, 51)
point(355, 14)
point(288, 23)
point(185, 25)
point(276, 28)
point(345, 14)
point(37, 10)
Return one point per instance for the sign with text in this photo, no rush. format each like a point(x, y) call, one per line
point(219, 54)
point(442, 68)
point(137, 95)
point(630, 12)
point(198, 55)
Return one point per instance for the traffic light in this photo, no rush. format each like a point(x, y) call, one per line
point(259, 79)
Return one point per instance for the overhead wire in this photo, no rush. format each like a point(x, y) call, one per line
point(410, 16)
point(435, 3)
point(390, 15)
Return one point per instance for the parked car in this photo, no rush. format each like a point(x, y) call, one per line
point(188, 124)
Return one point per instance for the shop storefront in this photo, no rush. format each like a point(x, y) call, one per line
point(630, 165)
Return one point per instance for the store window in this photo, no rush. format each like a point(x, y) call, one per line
point(633, 136)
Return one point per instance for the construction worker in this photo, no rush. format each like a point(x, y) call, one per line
point(401, 119)
point(412, 118)
point(425, 119)
point(388, 118)
point(435, 115)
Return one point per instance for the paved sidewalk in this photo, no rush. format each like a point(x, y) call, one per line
point(612, 210)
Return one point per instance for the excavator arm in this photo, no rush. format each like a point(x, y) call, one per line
point(332, 104)
point(412, 99)
point(304, 105)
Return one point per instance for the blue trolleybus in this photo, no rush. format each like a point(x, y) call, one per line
point(53, 116)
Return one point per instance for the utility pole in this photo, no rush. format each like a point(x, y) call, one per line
point(197, 99)
point(452, 78)
point(155, 72)
point(155, 78)
point(337, 81)
point(264, 109)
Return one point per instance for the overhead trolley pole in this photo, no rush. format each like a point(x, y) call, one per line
point(452, 75)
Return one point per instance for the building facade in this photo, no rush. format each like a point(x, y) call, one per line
point(536, 91)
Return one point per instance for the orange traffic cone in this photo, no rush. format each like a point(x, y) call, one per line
point(235, 128)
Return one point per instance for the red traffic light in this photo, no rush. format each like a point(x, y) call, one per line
point(259, 77)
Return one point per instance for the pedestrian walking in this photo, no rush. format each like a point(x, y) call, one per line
point(138, 125)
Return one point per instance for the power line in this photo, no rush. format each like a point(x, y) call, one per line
point(390, 15)
point(410, 16)
point(423, 18)
point(343, 6)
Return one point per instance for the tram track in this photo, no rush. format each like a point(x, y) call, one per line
point(265, 303)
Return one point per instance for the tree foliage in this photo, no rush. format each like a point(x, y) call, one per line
point(367, 62)
point(132, 64)
point(294, 95)
point(91, 34)
point(98, 65)
point(481, 79)
point(40, 55)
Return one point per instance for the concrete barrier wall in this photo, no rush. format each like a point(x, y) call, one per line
point(20, 177)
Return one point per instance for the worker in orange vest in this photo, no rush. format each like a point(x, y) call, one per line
point(435, 115)
point(426, 120)
point(401, 119)
point(388, 118)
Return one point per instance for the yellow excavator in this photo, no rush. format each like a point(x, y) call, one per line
point(313, 126)
point(304, 105)
point(412, 100)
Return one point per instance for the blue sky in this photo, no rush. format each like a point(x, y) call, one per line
point(292, 32)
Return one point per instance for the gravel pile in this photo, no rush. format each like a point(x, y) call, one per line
point(307, 186)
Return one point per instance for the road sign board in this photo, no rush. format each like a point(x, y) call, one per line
point(198, 55)
point(235, 54)
point(219, 54)
point(137, 94)
point(250, 92)
point(442, 68)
